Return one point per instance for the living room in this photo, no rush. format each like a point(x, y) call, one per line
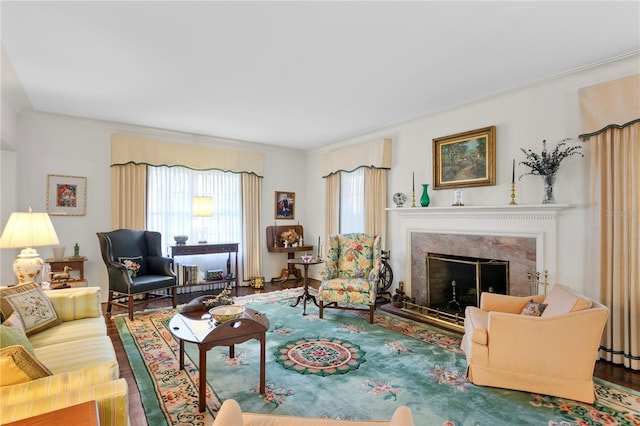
point(37, 143)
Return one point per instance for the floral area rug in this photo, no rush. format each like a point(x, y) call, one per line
point(376, 368)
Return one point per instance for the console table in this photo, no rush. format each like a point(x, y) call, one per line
point(275, 246)
point(196, 249)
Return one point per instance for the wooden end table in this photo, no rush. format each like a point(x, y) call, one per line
point(83, 414)
point(188, 326)
point(305, 294)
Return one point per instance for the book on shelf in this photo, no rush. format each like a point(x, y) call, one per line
point(186, 274)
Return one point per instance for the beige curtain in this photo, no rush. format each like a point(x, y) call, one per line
point(332, 225)
point(610, 114)
point(252, 238)
point(129, 196)
point(615, 191)
point(375, 200)
point(375, 156)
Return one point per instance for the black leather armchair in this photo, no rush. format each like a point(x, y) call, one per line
point(136, 267)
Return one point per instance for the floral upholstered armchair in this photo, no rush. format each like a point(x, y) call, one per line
point(350, 277)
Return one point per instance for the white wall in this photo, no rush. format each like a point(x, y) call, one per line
point(62, 145)
point(54, 144)
point(524, 117)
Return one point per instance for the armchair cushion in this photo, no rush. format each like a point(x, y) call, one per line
point(562, 300)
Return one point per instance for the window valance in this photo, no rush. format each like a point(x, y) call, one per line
point(614, 103)
point(375, 154)
point(131, 149)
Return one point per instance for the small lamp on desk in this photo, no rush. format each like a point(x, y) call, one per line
point(28, 230)
point(202, 207)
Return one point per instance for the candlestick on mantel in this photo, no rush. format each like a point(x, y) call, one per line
point(413, 181)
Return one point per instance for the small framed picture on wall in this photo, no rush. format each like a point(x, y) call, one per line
point(285, 205)
point(66, 195)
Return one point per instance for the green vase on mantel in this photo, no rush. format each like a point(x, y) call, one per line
point(424, 199)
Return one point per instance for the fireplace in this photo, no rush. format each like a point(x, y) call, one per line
point(455, 282)
point(523, 235)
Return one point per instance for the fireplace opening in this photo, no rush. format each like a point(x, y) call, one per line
point(455, 282)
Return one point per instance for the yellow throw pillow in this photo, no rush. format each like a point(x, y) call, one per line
point(18, 366)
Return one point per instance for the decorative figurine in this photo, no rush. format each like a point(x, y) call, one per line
point(76, 250)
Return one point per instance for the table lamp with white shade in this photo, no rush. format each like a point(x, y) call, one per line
point(203, 207)
point(28, 230)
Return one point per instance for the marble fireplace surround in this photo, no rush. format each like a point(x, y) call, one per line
point(525, 235)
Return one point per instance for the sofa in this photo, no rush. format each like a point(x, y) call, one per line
point(230, 414)
point(545, 344)
point(56, 353)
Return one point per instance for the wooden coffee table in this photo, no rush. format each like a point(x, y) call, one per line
point(189, 326)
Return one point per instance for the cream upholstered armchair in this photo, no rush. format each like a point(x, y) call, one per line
point(351, 273)
point(509, 346)
point(231, 414)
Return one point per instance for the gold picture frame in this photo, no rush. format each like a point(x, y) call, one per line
point(66, 195)
point(465, 159)
point(285, 205)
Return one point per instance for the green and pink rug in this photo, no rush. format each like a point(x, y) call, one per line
point(342, 367)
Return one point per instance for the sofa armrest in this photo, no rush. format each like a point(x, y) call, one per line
point(505, 303)
point(76, 303)
point(57, 383)
point(112, 399)
point(561, 346)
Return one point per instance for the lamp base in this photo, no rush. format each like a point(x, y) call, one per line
point(27, 265)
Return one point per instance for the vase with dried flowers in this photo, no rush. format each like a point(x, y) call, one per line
point(547, 164)
point(289, 236)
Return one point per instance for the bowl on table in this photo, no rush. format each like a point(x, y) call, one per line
point(224, 313)
point(181, 239)
point(306, 258)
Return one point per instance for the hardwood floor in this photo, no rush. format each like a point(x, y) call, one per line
point(603, 370)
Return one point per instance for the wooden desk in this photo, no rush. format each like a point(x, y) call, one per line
point(188, 250)
point(188, 326)
point(274, 245)
point(84, 414)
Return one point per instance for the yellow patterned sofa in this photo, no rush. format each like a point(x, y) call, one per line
point(71, 360)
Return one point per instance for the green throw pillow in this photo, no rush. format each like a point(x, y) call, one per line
point(11, 336)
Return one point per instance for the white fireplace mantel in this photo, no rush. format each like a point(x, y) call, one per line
point(518, 209)
point(537, 221)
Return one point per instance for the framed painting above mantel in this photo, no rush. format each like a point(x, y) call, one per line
point(465, 159)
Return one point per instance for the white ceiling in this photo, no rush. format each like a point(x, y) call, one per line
point(297, 74)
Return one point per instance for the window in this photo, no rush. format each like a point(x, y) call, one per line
point(352, 201)
point(170, 194)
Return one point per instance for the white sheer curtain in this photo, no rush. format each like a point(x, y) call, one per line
point(170, 193)
point(352, 201)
